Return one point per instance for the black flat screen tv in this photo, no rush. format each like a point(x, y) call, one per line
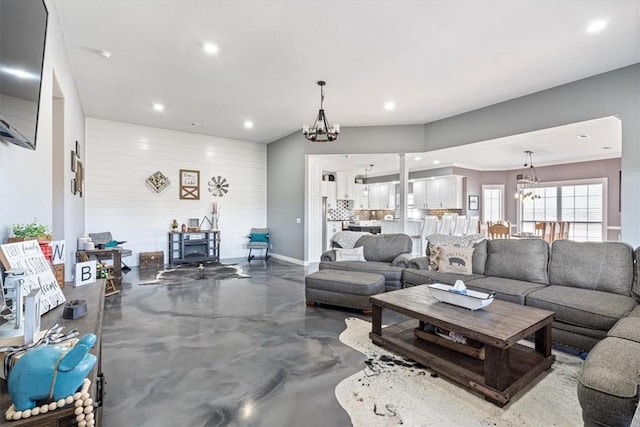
point(23, 31)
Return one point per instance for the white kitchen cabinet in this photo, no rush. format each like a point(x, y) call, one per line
point(332, 228)
point(346, 187)
point(451, 192)
point(329, 189)
point(420, 194)
point(361, 201)
point(382, 196)
point(445, 192)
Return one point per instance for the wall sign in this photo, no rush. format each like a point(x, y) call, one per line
point(189, 184)
point(28, 256)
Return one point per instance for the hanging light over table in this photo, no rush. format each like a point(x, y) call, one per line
point(321, 131)
point(528, 180)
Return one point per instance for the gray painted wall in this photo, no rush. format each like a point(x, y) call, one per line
point(608, 94)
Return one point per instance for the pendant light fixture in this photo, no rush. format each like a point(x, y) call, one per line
point(527, 182)
point(365, 190)
point(320, 131)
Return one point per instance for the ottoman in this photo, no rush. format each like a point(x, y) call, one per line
point(343, 288)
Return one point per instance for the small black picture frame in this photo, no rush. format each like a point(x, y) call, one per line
point(474, 202)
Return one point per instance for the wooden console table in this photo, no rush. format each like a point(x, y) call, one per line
point(93, 294)
point(115, 255)
point(507, 367)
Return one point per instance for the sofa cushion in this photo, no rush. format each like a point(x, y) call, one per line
point(582, 307)
point(518, 259)
point(452, 259)
point(477, 241)
point(627, 328)
point(506, 289)
point(392, 275)
point(384, 247)
point(600, 266)
point(413, 276)
point(608, 383)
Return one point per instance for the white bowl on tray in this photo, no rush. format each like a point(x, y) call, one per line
point(473, 300)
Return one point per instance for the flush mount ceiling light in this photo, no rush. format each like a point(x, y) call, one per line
point(596, 26)
point(210, 48)
point(320, 131)
point(527, 182)
point(104, 53)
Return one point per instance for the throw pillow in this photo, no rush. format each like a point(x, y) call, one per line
point(454, 259)
point(259, 237)
point(434, 253)
point(355, 254)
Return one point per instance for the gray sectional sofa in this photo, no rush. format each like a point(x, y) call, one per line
point(589, 285)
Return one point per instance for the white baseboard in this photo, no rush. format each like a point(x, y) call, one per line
point(289, 259)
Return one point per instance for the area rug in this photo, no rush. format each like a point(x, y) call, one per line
point(187, 273)
point(391, 391)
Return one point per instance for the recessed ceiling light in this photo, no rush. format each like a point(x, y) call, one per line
point(104, 53)
point(583, 136)
point(248, 124)
point(436, 162)
point(596, 26)
point(210, 48)
point(158, 107)
point(607, 148)
point(389, 105)
point(417, 158)
point(196, 124)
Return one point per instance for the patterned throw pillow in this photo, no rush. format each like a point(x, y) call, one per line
point(453, 259)
point(355, 254)
point(434, 253)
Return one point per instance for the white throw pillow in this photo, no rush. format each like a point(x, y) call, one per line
point(453, 259)
point(355, 254)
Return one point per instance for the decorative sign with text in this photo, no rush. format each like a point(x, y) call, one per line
point(57, 251)
point(85, 273)
point(28, 256)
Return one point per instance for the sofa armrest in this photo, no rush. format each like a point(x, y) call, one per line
point(329, 255)
point(420, 263)
point(402, 260)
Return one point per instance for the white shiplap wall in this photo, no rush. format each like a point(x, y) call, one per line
point(121, 156)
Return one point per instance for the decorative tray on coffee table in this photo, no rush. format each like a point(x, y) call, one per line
point(460, 296)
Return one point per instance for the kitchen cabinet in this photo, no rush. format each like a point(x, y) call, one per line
point(382, 196)
point(361, 200)
point(445, 192)
point(420, 194)
point(332, 228)
point(329, 190)
point(346, 187)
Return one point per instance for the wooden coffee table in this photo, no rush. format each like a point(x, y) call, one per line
point(507, 366)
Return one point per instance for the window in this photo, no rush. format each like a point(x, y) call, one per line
point(581, 204)
point(492, 202)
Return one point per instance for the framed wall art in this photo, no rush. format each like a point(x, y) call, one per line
point(189, 184)
point(474, 201)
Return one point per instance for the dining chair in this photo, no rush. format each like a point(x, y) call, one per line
point(499, 230)
point(459, 227)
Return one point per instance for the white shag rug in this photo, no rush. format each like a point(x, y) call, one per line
point(392, 391)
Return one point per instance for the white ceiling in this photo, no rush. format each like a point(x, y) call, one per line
point(552, 146)
point(434, 59)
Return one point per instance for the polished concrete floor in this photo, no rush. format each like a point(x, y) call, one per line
point(236, 352)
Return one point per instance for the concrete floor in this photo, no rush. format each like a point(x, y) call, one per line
point(237, 352)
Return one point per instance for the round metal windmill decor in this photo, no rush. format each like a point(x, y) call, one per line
point(218, 186)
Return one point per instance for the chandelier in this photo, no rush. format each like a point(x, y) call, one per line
point(320, 131)
point(527, 182)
